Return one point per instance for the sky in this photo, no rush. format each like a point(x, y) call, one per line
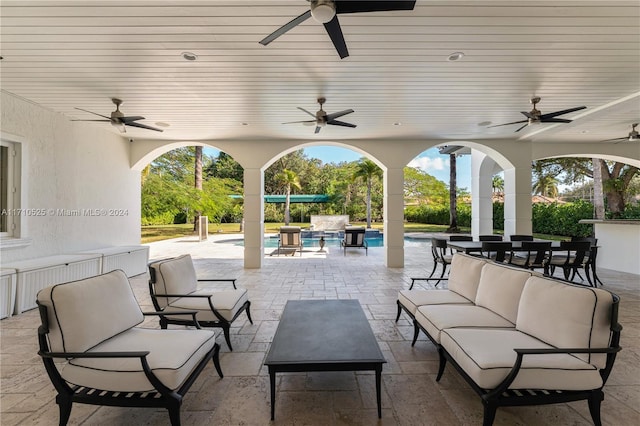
point(429, 161)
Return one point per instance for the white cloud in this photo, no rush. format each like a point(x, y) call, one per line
point(428, 164)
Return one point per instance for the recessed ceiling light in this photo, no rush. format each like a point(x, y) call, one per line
point(455, 56)
point(244, 123)
point(397, 123)
point(188, 56)
point(584, 132)
point(162, 124)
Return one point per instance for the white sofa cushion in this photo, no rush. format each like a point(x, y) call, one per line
point(411, 299)
point(226, 302)
point(83, 313)
point(173, 355)
point(174, 276)
point(435, 318)
point(565, 315)
point(487, 356)
point(464, 275)
point(500, 288)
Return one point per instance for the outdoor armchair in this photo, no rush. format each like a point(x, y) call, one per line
point(173, 285)
point(498, 251)
point(290, 238)
point(95, 353)
point(354, 238)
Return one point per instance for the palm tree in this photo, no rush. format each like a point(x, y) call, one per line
point(497, 183)
point(453, 201)
point(546, 185)
point(367, 170)
point(288, 178)
point(198, 184)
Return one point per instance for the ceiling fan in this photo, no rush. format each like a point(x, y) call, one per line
point(326, 11)
point(632, 136)
point(119, 120)
point(321, 118)
point(535, 116)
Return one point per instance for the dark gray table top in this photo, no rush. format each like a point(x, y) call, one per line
point(323, 331)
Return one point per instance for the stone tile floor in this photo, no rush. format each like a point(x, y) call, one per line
point(410, 394)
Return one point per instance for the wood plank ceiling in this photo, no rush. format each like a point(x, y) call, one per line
point(81, 53)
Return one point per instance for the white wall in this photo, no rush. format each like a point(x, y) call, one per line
point(73, 166)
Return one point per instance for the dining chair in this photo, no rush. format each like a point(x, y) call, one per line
point(589, 265)
point(521, 237)
point(490, 237)
point(571, 257)
point(533, 255)
point(459, 238)
point(498, 251)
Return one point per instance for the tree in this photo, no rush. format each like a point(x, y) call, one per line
point(497, 184)
point(198, 184)
point(367, 170)
point(224, 166)
point(288, 178)
point(546, 185)
point(598, 194)
point(453, 203)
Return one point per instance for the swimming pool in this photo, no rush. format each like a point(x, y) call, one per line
point(272, 242)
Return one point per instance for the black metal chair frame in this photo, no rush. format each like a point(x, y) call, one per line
point(590, 263)
point(502, 250)
point(354, 233)
point(221, 322)
point(574, 259)
point(521, 237)
point(502, 396)
point(459, 238)
point(538, 254)
point(162, 397)
point(490, 238)
point(440, 257)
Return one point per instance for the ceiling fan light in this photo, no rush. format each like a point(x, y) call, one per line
point(323, 11)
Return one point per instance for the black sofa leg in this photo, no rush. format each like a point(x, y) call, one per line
point(65, 408)
point(416, 332)
point(216, 360)
point(441, 364)
point(595, 400)
point(249, 312)
point(227, 336)
point(489, 413)
point(174, 413)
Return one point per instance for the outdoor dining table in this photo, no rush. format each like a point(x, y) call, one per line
point(470, 247)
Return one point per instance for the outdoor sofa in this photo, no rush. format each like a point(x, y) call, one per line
point(517, 337)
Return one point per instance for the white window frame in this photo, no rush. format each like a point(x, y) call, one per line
point(15, 236)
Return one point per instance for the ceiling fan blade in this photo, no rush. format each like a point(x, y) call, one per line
point(143, 126)
point(335, 32)
point(286, 27)
point(341, 123)
point(102, 121)
point(95, 113)
point(317, 129)
point(303, 121)
point(564, 111)
point(616, 139)
point(351, 6)
point(508, 124)
point(339, 114)
point(522, 127)
point(130, 119)
point(302, 109)
point(554, 120)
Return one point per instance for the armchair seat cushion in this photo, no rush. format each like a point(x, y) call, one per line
point(487, 356)
point(411, 299)
point(435, 318)
point(173, 356)
point(226, 302)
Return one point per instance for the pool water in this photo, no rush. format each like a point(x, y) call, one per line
point(272, 242)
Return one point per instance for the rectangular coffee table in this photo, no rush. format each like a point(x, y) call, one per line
point(323, 335)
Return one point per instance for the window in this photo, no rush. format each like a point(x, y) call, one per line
point(11, 232)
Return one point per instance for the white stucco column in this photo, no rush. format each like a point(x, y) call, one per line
point(394, 217)
point(517, 199)
point(482, 170)
point(253, 217)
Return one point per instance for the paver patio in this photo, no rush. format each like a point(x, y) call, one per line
point(410, 394)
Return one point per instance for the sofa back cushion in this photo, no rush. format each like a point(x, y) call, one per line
point(464, 275)
point(566, 316)
point(83, 313)
point(174, 276)
point(500, 289)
